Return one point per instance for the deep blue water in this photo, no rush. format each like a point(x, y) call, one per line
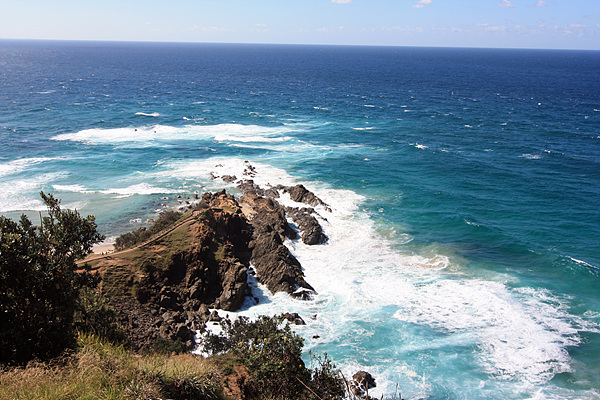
point(464, 256)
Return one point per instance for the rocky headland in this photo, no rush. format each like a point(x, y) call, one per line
point(165, 287)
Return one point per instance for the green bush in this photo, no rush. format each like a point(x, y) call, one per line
point(130, 239)
point(95, 315)
point(272, 355)
point(40, 281)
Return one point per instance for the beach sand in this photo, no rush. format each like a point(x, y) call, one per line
point(103, 248)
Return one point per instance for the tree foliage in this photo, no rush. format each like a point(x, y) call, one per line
point(130, 239)
point(272, 355)
point(40, 281)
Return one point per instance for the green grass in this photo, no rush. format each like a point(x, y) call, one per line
point(119, 281)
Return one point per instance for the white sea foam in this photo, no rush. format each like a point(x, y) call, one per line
point(140, 188)
point(520, 335)
point(531, 156)
point(69, 188)
point(154, 114)
point(208, 173)
point(21, 164)
point(23, 194)
point(150, 135)
point(250, 138)
point(581, 262)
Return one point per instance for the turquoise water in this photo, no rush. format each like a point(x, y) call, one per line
point(463, 258)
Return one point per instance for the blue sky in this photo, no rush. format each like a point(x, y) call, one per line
point(561, 24)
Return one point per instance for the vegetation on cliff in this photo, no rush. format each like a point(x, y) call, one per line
point(264, 365)
point(40, 281)
point(119, 327)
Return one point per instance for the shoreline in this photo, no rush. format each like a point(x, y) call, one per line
point(103, 248)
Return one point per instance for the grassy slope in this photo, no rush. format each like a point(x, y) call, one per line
point(103, 371)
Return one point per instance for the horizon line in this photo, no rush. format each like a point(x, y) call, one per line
point(292, 44)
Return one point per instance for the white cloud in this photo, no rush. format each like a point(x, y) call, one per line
point(422, 3)
point(404, 29)
point(341, 1)
point(541, 3)
point(209, 29)
point(507, 4)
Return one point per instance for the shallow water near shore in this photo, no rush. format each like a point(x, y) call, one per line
point(464, 186)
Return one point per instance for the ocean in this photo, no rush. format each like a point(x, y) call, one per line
point(463, 259)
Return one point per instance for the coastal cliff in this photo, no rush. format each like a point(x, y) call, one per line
point(164, 287)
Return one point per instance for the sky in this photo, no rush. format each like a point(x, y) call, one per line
point(548, 24)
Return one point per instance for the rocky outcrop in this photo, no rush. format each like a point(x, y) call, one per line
point(300, 194)
point(294, 318)
point(312, 232)
point(164, 287)
point(276, 267)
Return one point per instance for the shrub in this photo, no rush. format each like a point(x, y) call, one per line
point(95, 315)
point(130, 239)
point(272, 355)
point(326, 379)
point(40, 281)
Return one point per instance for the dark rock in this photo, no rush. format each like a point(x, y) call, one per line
point(266, 215)
point(276, 267)
point(300, 194)
point(303, 294)
point(312, 232)
point(362, 381)
point(215, 317)
point(228, 178)
point(183, 333)
point(170, 300)
point(294, 318)
point(204, 311)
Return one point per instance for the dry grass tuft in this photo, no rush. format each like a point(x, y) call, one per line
point(102, 371)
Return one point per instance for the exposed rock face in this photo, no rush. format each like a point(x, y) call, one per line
point(301, 194)
point(312, 232)
point(294, 318)
point(200, 261)
point(276, 267)
point(163, 288)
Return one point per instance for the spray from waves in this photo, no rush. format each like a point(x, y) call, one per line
point(516, 337)
point(151, 135)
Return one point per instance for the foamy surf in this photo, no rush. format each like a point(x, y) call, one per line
point(149, 135)
point(21, 164)
point(517, 336)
